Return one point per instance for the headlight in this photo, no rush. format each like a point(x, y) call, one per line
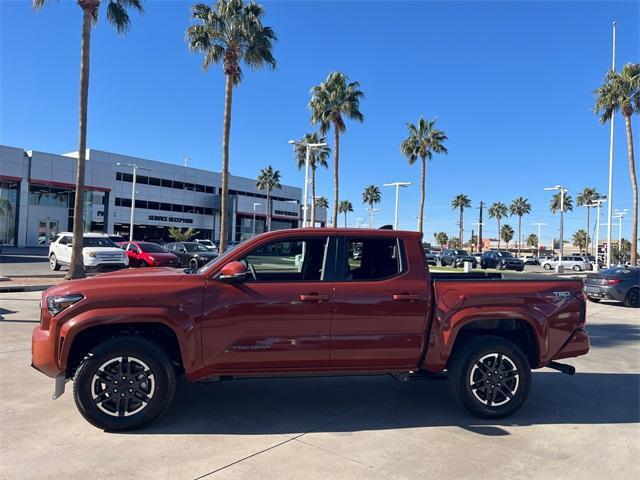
point(92, 254)
point(58, 303)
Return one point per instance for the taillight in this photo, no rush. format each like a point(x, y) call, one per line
point(613, 281)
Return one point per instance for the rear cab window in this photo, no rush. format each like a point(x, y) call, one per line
point(370, 258)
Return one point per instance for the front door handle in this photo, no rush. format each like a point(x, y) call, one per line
point(313, 297)
point(406, 297)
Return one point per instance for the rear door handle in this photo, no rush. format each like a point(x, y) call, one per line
point(313, 297)
point(405, 297)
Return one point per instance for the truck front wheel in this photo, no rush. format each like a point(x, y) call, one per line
point(124, 384)
point(490, 376)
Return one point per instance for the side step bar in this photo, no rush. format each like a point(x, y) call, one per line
point(418, 375)
point(562, 367)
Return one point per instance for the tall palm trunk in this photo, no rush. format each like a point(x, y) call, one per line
point(226, 129)
point(588, 226)
point(461, 227)
point(499, 234)
point(345, 219)
point(634, 189)
point(268, 209)
point(371, 215)
point(519, 233)
point(336, 157)
point(313, 197)
point(423, 173)
point(76, 268)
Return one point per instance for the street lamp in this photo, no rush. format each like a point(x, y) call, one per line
point(397, 185)
point(540, 225)
point(371, 212)
point(562, 191)
point(135, 168)
point(619, 214)
point(359, 221)
point(596, 203)
point(309, 147)
point(255, 204)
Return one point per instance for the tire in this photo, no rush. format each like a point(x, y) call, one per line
point(577, 268)
point(471, 364)
point(53, 262)
point(157, 387)
point(193, 264)
point(547, 266)
point(143, 264)
point(632, 298)
point(593, 299)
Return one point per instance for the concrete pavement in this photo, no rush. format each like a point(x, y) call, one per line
point(585, 426)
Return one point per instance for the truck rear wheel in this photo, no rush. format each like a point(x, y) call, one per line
point(124, 384)
point(490, 376)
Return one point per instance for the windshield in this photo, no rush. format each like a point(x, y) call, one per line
point(195, 247)
point(460, 252)
point(151, 248)
point(505, 254)
point(206, 242)
point(616, 271)
point(98, 242)
point(216, 261)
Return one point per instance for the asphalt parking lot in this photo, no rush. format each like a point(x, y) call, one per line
point(585, 426)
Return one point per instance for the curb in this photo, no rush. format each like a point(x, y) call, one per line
point(24, 288)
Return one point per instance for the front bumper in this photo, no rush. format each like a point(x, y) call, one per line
point(43, 353)
point(578, 344)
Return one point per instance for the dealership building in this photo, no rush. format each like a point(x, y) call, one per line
point(37, 194)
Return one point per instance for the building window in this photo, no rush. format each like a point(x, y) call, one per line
point(8, 207)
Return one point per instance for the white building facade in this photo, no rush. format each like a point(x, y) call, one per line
point(37, 194)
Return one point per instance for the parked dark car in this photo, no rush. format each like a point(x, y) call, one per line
point(191, 254)
point(432, 259)
point(456, 258)
point(501, 260)
point(616, 283)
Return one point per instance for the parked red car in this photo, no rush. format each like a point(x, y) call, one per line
point(147, 254)
point(299, 302)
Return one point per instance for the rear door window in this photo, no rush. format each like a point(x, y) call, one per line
point(370, 258)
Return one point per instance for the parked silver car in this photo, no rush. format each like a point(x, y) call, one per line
point(573, 262)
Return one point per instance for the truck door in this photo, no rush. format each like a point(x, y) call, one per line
point(279, 318)
point(380, 305)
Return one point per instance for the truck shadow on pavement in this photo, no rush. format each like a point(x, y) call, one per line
point(344, 405)
point(613, 334)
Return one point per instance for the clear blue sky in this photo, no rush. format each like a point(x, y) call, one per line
point(510, 82)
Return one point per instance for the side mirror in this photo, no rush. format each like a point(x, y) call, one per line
point(233, 272)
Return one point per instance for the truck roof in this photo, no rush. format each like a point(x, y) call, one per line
point(345, 231)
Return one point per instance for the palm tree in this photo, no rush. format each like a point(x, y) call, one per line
point(585, 199)
point(322, 202)
point(423, 141)
point(229, 33)
point(520, 206)
point(580, 240)
point(441, 238)
point(118, 16)
point(461, 202)
point(345, 207)
point(371, 195)
point(455, 243)
point(331, 101)
point(554, 203)
point(317, 158)
point(268, 179)
point(498, 210)
point(506, 232)
point(621, 91)
point(532, 241)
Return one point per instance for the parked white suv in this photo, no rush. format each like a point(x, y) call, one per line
point(208, 244)
point(99, 252)
point(572, 262)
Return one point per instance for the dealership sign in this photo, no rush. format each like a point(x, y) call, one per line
point(160, 218)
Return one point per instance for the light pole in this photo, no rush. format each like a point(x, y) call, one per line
point(359, 221)
point(371, 212)
point(619, 214)
point(562, 191)
point(309, 147)
point(397, 185)
point(596, 203)
point(610, 194)
point(479, 224)
point(540, 225)
point(135, 168)
point(255, 204)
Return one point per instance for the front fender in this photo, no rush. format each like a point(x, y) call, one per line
point(182, 326)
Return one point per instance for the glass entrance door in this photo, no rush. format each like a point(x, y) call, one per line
point(47, 231)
